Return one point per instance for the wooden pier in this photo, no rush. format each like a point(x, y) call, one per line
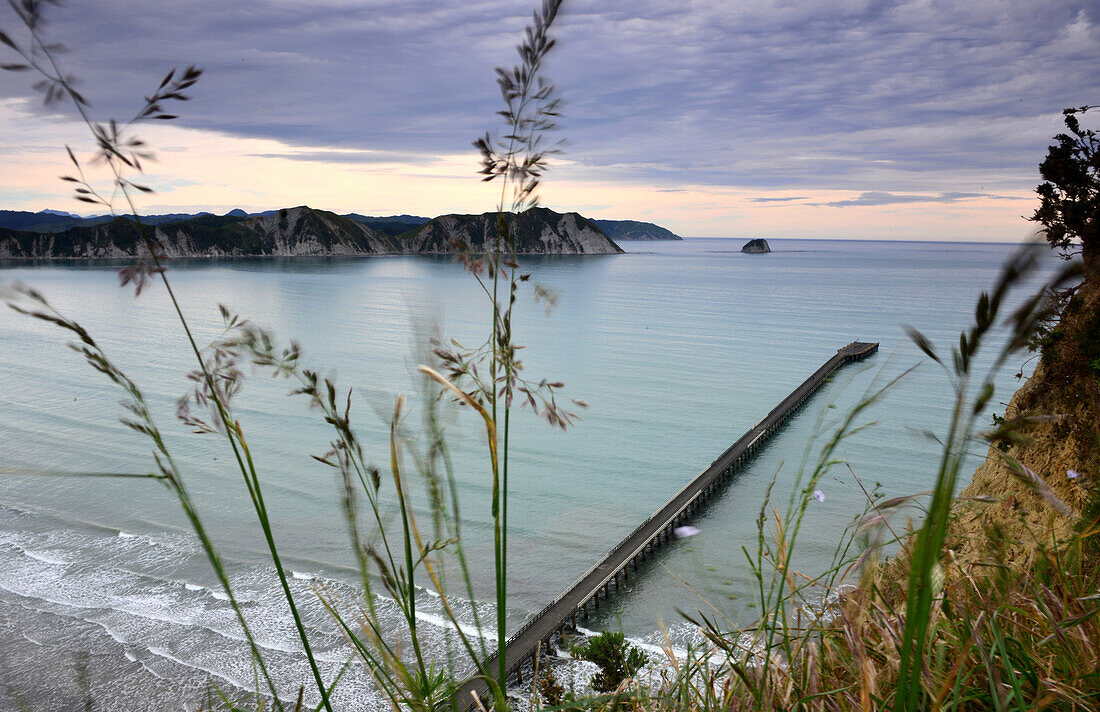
point(595, 584)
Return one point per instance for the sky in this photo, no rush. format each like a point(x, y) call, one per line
point(861, 119)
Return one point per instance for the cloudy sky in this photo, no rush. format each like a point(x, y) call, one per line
point(813, 118)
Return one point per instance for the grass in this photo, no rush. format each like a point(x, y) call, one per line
point(946, 638)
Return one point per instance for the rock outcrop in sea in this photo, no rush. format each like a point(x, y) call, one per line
point(305, 232)
point(756, 246)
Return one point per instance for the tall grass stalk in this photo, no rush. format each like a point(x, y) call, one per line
point(530, 108)
point(517, 160)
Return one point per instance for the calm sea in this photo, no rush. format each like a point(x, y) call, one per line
point(678, 347)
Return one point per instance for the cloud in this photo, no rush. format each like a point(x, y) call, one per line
point(351, 156)
point(777, 200)
point(820, 94)
point(880, 198)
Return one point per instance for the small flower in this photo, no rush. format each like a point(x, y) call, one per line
point(685, 531)
point(819, 495)
point(1072, 474)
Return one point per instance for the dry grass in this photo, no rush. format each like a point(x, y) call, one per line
point(998, 639)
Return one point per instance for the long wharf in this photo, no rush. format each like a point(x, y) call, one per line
point(586, 592)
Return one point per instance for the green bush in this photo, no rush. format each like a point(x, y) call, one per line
point(1089, 343)
point(618, 660)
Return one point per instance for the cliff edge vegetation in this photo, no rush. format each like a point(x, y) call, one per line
point(1006, 516)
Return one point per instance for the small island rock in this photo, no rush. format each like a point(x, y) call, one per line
point(756, 246)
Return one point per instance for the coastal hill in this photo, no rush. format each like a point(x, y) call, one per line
point(1064, 449)
point(635, 230)
point(292, 232)
point(538, 231)
point(615, 229)
point(1009, 520)
point(303, 231)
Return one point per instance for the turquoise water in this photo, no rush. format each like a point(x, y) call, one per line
point(678, 348)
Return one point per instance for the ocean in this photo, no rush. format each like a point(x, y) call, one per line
point(677, 348)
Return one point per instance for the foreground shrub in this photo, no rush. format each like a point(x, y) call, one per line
point(617, 659)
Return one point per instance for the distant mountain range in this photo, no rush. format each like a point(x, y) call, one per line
point(392, 225)
point(300, 231)
point(57, 221)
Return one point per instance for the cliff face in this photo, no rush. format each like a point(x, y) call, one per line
point(287, 233)
point(538, 232)
point(293, 232)
point(1063, 449)
point(1000, 519)
point(119, 238)
point(302, 231)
